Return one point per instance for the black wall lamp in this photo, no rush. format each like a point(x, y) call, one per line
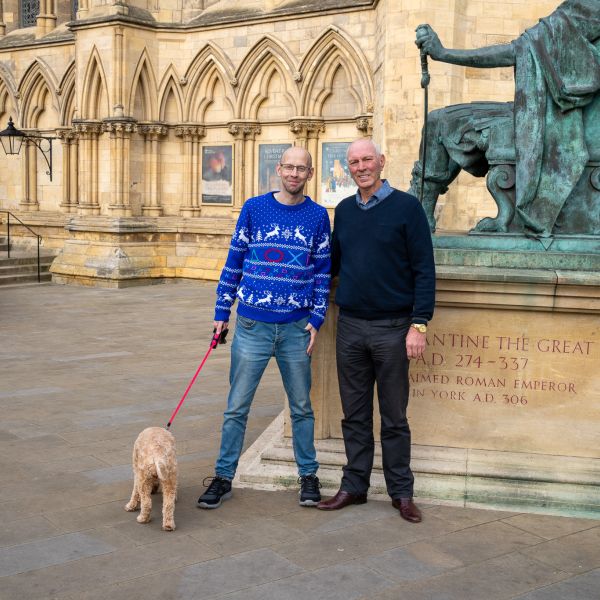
point(12, 139)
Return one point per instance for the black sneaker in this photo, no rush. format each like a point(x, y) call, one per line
point(218, 490)
point(309, 490)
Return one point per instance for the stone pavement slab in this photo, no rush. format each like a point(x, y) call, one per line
point(82, 371)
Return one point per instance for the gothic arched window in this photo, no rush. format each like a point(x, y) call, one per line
point(30, 9)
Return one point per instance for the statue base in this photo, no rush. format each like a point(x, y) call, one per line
point(505, 404)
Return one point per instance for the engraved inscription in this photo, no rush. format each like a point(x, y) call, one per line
point(486, 370)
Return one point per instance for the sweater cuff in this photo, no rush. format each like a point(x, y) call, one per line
point(222, 315)
point(315, 321)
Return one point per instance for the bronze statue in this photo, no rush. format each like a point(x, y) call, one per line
point(550, 133)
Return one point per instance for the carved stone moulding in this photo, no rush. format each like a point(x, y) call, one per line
point(190, 130)
point(122, 126)
point(149, 129)
point(244, 129)
point(306, 125)
point(84, 127)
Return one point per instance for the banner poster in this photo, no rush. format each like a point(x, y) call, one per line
point(268, 158)
point(336, 183)
point(217, 175)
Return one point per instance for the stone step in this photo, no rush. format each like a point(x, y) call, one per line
point(23, 268)
point(12, 278)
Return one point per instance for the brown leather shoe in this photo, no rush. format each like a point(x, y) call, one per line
point(408, 509)
point(342, 499)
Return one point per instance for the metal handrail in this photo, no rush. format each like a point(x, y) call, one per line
point(39, 238)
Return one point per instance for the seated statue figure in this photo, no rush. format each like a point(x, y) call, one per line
point(548, 133)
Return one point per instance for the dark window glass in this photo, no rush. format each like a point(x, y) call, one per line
point(30, 9)
point(74, 8)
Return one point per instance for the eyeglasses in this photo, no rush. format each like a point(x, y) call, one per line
point(289, 169)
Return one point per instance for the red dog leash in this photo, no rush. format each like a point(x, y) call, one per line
point(214, 342)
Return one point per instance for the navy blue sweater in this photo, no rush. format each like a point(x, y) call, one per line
point(384, 257)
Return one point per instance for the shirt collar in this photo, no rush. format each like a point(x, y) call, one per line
point(381, 194)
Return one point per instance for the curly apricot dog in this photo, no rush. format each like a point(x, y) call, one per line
point(154, 464)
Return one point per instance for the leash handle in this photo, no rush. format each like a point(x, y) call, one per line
point(214, 342)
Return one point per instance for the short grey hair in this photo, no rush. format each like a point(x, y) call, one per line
point(375, 145)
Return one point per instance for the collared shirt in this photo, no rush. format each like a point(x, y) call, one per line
point(379, 196)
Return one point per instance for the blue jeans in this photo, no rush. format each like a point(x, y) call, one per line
point(254, 343)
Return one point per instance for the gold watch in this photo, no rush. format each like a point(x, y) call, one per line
point(420, 327)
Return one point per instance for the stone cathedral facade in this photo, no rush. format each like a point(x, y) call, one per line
point(168, 114)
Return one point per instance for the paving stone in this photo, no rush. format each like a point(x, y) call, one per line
point(27, 530)
point(251, 534)
point(412, 563)
point(582, 587)
point(343, 545)
point(481, 542)
point(500, 578)
point(550, 527)
point(51, 551)
point(574, 553)
point(340, 582)
point(76, 578)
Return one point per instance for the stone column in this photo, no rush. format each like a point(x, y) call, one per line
point(68, 139)
point(46, 19)
point(307, 132)
point(120, 131)
point(118, 58)
point(88, 133)
point(2, 24)
point(29, 201)
point(190, 133)
point(152, 203)
point(244, 134)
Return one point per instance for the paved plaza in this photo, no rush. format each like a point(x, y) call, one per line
point(83, 371)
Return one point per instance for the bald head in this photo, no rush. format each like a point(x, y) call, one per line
point(296, 156)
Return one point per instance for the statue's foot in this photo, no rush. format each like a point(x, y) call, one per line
point(491, 225)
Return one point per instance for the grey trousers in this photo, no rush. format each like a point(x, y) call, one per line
point(370, 352)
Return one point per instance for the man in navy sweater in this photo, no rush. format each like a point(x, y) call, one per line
point(278, 269)
point(383, 253)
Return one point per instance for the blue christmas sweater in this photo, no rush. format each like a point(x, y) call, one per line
point(278, 263)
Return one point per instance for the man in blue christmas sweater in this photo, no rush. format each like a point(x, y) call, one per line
point(278, 268)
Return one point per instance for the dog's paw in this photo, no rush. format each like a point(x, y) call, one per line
point(129, 507)
point(170, 526)
point(142, 519)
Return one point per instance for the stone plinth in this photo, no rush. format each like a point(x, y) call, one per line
point(125, 251)
point(505, 404)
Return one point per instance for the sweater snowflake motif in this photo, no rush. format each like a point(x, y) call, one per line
point(278, 263)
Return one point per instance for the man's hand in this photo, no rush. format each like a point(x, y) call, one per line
point(415, 343)
point(220, 326)
point(428, 40)
point(313, 336)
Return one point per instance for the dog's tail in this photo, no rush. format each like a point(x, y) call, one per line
point(157, 464)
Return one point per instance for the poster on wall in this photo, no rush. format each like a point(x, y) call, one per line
point(217, 175)
point(336, 183)
point(268, 158)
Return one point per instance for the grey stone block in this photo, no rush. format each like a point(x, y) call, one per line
point(51, 551)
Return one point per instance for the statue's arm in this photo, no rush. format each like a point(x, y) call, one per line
point(502, 55)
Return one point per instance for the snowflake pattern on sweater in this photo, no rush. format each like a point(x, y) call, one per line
point(279, 262)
